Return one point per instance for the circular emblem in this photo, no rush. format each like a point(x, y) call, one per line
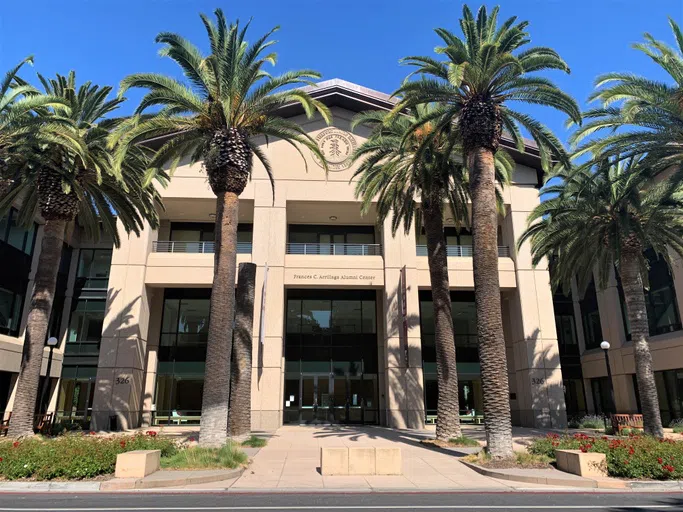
point(337, 146)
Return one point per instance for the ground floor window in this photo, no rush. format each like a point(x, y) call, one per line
point(602, 399)
point(5, 390)
point(574, 398)
point(76, 392)
point(470, 397)
point(670, 393)
point(179, 391)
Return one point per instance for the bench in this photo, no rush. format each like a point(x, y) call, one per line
point(431, 419)
point(622, 421)
point(4, 425)
point(43, 423)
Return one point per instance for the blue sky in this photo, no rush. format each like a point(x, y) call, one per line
point(359, 41)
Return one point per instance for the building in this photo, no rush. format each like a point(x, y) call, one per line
point(133, 321)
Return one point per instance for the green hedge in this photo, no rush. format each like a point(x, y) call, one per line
point(635, 456)
point(73, 457)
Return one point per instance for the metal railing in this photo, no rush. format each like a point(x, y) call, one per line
point(195, 247)
point(464, 251)
point(335, 249)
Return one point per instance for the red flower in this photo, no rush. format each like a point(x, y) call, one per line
point(669, 468)
point(123, 444)
point(15, 444)
point(93, 433)
point(192, 439)
point(631, 451)
point(151, 433)
point(0, 459)
point(660, 460)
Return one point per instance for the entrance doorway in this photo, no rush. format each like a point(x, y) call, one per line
point(328, 398)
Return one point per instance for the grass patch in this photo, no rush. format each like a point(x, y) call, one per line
point(255, 442)
point(196, 457)
point(463, 441)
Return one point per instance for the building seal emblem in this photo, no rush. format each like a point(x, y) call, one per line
point(337, 146)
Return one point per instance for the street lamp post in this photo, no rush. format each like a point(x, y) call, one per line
point(605, 347)
point(52, 343)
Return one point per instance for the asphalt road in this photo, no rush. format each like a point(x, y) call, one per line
point(232, 501)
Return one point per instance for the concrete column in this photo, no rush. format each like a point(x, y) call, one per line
point(536, 353)
point(152, 360)
point(404, 382)
point(123, 350)
point(269, 242)
point(609, 306)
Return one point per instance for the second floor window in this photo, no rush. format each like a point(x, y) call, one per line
point(87, 320)
point(590, 317)
point(93, 268)
point(10, 312)
point(16, 235)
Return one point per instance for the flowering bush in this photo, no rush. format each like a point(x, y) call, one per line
point(72, 456)
point(635, 456)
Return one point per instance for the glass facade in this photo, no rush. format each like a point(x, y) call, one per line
point(182, 356)
point(93, 269)
point(331, 355)
point(590, 317)
point(660, 299)
point(76, 391)
point(602, 399)
point(336, 240)
point(463, 311)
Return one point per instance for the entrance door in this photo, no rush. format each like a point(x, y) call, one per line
point(316, 398)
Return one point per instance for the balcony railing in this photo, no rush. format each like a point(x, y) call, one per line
point(463, 251)
point(335, 249)
point(196, 247)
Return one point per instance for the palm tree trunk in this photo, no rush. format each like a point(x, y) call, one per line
point(240, 378)
point(632, 283)
point(494, 372)
point(447, 408)
point(36, 329)
point(214, 421)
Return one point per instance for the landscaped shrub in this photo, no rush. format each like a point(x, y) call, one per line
point(587, 421)
point(255, 442)
point(677, 425)
point(196, 457)
point(73, 456)
point(636, 456)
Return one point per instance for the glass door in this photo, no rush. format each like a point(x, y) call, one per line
point(316, 401)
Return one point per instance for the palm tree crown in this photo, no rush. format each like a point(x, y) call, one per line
point(62, 181)
point(606, 208)
point(228, 100)
point(401, 166)
point(483, 72)
point(649, 113)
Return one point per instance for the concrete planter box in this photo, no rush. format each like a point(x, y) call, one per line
point(138, 463)
point(582, 464)
point(360, 461)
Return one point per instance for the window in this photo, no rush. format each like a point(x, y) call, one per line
point(349, 240)
point(93, 268)
point(590, 317)
point(185, 325)
point(85, 326)
point(565, 323)
point(16, 235)
point(660, 300)
point(76, 392)
point(193, 233)
point(602, 396)
point(10, 312)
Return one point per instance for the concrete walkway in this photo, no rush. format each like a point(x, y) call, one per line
point(291, 460)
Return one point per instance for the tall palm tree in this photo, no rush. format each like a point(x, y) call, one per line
point(228, 101)
point(618, 213)
point(483, 72)
point(648, 112)
point(399, 167)
point(61, 182)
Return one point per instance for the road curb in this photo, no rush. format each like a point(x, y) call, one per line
point(125, 484)
point(587, 483)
